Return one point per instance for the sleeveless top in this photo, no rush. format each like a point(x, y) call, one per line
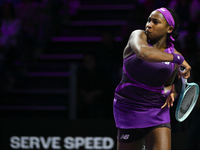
point(140, 94)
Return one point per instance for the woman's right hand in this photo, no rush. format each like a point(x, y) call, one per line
point(186, 73)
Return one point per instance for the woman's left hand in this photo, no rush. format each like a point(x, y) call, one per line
point(170, 99)
point(186, 73)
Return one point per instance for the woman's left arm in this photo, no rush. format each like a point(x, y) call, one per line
point(186, 73)
point(169, 89)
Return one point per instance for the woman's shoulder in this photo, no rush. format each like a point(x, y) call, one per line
point(138, 31)
point(134, 35)
point(138, 34)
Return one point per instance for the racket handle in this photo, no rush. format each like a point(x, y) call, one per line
point(181, 68)
point(184, 81)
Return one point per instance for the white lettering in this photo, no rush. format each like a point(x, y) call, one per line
point(69, 143)
point(15, 142)
point(34, 143)
point(79, 141)
point(24, 142)
point(45, 144)
point(88, 143)
point(97, 143)
point(56, 143)
point(108, 143)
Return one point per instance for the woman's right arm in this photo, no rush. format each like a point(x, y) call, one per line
point(138, 44)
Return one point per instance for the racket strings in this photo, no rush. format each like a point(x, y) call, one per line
point(188, 99)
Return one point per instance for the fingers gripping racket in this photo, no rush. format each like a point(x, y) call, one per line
point(187, 100)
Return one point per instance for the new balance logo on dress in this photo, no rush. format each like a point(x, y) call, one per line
point(167, 63)
point(124, 136)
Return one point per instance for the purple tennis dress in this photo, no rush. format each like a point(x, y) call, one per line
point(140, 94)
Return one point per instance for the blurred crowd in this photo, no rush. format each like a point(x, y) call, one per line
point(21, 38)
point(26, 28)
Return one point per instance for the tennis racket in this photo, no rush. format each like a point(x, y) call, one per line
point(187, 100)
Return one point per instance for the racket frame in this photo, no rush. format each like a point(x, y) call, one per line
point(185, 87)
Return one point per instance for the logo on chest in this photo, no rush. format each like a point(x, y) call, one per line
point(167, 63)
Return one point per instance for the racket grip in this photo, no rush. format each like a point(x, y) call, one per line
point(181, 68)
point(184, 81)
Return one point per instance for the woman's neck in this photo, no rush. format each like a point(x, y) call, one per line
point(162, 45)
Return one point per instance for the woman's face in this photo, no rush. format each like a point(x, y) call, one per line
point(156, 26)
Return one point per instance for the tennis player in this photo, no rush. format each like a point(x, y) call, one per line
point(146, 92)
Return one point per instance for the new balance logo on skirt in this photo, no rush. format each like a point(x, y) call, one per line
point(124, 136)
